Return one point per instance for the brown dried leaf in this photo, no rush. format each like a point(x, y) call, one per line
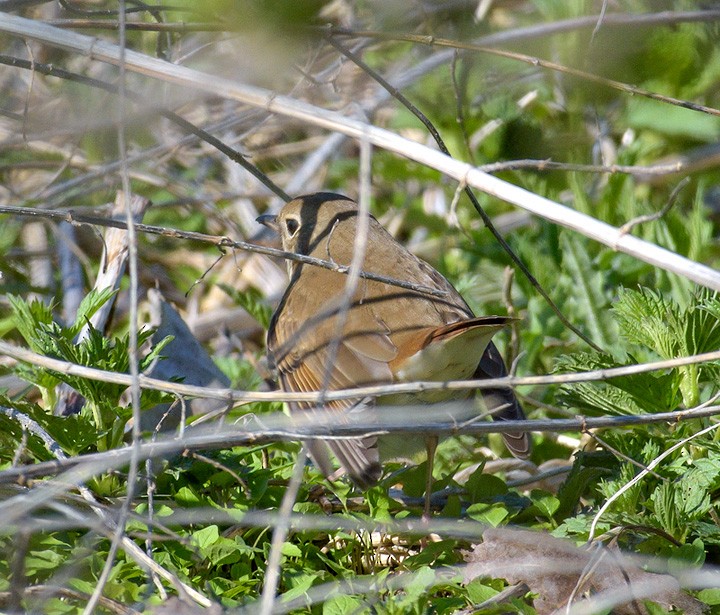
point(558, 572)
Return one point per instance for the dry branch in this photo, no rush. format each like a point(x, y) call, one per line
point(194, 80)
point(274, 427)
point(63, 367)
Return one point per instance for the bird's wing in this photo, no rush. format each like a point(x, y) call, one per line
point(502, 403)
point(358, 357)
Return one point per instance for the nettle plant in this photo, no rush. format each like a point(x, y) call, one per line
point(101, 420)
point(672, 510)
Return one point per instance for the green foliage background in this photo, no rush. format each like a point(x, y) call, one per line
point(633, 311)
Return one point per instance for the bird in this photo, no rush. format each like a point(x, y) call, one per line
point(322, 337)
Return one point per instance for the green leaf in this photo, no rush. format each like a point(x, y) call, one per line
point(492, 514)
point(546, 503)
point(588, 290)
point(422, 579)
point(73, 434)
point(689, 555)
point(660, 327)
point(187, 496)
point(227, 551)
point(291, 550)
point(205, 537)
point(708, 472)
point(655, 609)
point(342, 605)
point(482, 487)
point(479, 592)
point(155, 352)
point(90, 304)
point(253, 301)
point(620, 396)
point(301, 583)
point(692, 498)
point(442, 552)
point(671, 120)
point(379, 503)
point(709, 596)
point(646, 318)
point(31, 319)
point(46, 559)
point(663, 499)
point(587, 470)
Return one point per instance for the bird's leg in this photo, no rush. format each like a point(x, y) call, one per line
point(431, 443)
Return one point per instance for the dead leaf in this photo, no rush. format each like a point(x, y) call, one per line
point(559, 572)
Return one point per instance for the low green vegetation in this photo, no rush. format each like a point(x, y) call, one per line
point(206, 513)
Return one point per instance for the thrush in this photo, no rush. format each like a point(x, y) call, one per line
point(323, 338)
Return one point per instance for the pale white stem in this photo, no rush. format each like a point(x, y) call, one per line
point(190, 79)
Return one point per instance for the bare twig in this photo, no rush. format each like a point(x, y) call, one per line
point(318, 425)
point(282, 527)
point(128, 251)
point(534, 61)
point(609, 502)
point(63, 367)
point(468, 191)
point(258, 97)
point(619, 454)
point(221, 242)
point(560, 26)
point(66, 593)
point(630, 224)
point(188, 127)
point(130, 547)
point(107, 24)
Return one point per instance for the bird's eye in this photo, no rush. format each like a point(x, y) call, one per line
point(292, 226)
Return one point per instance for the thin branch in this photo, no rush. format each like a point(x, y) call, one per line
point(130, 240)
point(34, 428)
point(656, 462)
point(188, 127)
point(487, 220)
point(274, 103)
point(670, 168)
point(561, 26)
point(66, 594)
point(619, 454)
point(241, 396)
point(282, 527)
point(630, 224)
point(107, 24)
point(220, 242)
point(535, 61)
point(612, 20)
point(141, 8)
point(317, 425)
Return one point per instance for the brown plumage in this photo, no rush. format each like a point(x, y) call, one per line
point(319, 340)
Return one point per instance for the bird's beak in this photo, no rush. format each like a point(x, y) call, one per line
point(270, 221)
